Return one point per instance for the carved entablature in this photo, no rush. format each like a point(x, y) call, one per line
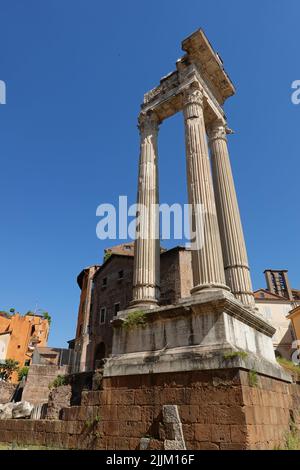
point(167, 83)
point(200, 64)
point(152, 94)
point(200, 52)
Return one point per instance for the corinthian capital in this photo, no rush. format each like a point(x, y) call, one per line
point(217, 130)
point(148, 123)
point(193, 95)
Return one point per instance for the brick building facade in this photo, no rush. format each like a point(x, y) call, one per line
point(111, 291)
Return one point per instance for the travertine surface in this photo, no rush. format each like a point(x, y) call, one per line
point(147, 244)
point(207, 262)
point(232, 237)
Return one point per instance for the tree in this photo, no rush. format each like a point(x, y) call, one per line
point(7, 368)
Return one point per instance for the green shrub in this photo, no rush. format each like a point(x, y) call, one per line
point(59, 381)
point(8, 367)
point(134, 319)
point(291, 439)
point(47, 317)
point(107, 255)
point(253, 378)
point(23, 372)
point(289, 365)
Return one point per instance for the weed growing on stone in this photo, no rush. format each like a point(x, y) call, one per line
point(92, 422)
point(289, 365)
point(253, 378)
point(134, 319)
point(59, 381)
point(291, 440)
point(233, 354)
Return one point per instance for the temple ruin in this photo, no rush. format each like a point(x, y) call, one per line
point(220, 315)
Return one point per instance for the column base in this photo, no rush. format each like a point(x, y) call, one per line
point(143, 304)
point(209, 288)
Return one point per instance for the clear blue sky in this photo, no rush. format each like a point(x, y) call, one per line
point(76, 71)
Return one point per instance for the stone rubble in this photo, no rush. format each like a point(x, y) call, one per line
point(18, 410)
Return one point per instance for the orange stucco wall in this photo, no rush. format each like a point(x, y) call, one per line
point(295, 317)
point(25, 332)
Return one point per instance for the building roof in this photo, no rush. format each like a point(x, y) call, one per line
point(5, 315)
point(122, 249)
point(119, 253)
point(264, 294)
point(294, 312)
point(296, 294)
point(83, 272)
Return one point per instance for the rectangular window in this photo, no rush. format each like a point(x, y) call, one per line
point(117, 308)
point(121, 274)
point(104, 282)
point(102, 315)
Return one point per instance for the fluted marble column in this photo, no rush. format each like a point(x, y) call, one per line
point(233, 244)
point(147, 244)
point(207, 262)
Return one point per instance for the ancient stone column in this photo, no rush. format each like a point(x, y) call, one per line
point(233, 244)
point(147, 244)
point(207, 262)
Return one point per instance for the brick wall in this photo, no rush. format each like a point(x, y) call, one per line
point(218, 410)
